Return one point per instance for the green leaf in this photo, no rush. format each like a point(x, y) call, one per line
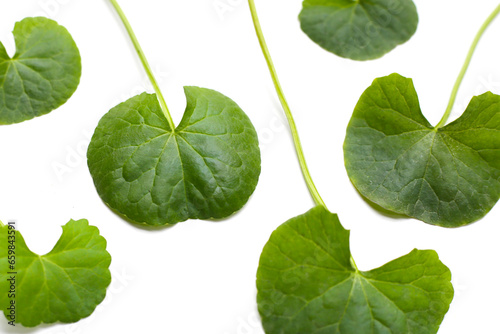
point(42, 75)
point(447, 176)
point(64, 285)
point(207, 168)
point(307, 283)
point(361, 29)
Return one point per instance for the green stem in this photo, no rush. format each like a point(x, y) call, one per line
point(145, 63)
point(354, 264)
point(298, 147)
point(468, 59)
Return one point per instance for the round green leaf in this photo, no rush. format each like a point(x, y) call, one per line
point(447, 176)
point(307, 284)
point(42, 75)
point(360, 29)
point(207, 168)
point(64, 285)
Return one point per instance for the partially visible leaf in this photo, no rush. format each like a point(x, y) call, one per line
point(307, 284)
point(359, 29)
point(207, 168)
point(64, 285)
point(42, 75)
point(448, 176)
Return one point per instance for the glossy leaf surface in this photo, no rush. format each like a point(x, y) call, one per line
point(307, 284)
point(207, 168)
point(64, 285)
point(361, 29)
point(42, 75)
point(448, 176)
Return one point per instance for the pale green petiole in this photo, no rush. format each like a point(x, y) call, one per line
point(468, 59)
point(298, 147)
point(145, 63)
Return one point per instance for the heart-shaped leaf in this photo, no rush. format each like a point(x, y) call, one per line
point(64, 285)
point(42, 75)
point(360, 29)
point(207, 168)
point(307, 283)
point(447, 176)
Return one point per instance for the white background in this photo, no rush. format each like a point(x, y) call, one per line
point(199, 276)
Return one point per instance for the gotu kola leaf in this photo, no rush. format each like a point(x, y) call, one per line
point(307, 283)
point(447, 176)
point(360, 29)
point(206, 168)
point(64, 285)
point(42, 75)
